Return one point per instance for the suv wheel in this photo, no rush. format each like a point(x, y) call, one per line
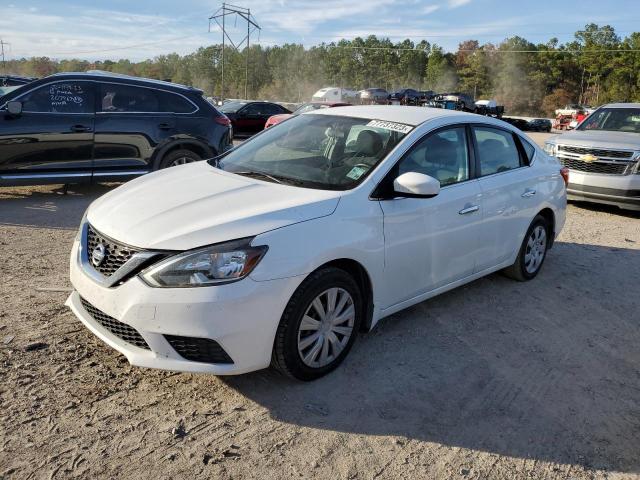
point(178, 157)
point(318, 326)
point(532, 252)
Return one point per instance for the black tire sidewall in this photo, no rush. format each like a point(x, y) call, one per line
point(538, 220)
point(170, 157)
point(313, 286)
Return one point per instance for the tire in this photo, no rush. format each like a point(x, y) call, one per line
point(178, 157)
point(533, 249)
point(294, 346)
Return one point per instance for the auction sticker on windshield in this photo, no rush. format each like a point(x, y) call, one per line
point(393, 126)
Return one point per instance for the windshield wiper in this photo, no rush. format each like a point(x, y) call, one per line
point(250, 173)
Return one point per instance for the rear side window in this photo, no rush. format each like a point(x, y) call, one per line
point(528, 149)
point(129, 98)
point(497, 150)
point(442, 155)
point(60, 97)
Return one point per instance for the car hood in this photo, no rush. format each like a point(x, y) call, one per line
point(194, 205)
point(600, 139)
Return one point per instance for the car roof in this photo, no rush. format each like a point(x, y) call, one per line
point(397, 113)
point(622, 105)
point(101, 75)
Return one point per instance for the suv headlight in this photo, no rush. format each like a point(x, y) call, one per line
point(550, 149)
point(214, 265)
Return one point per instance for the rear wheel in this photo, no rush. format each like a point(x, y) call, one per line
point(179, 157)
point(533, 251)
point(319, 325)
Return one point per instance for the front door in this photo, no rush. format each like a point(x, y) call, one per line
point(52, 137)
point(431, 242)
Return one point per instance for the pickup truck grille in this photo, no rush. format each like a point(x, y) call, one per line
point(608, 162)
point(595, 167)
point(600, 153)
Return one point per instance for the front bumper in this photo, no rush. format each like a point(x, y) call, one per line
point(620, 190)
point(242, 317)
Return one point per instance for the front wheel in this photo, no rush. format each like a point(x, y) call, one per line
point(319, 325)
point(532, 252)
point(178, 157)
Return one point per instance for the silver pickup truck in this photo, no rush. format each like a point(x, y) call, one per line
point(603, 156)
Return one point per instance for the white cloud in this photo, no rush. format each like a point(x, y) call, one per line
point(430, 9)
point(458, 3)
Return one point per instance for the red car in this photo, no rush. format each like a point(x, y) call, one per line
point(305, 107)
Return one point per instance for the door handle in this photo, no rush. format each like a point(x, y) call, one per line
point(529, 192)
point(80, 128)
point(469, 209)
point(165, 126)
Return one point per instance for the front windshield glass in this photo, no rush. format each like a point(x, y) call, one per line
point(232, 107)
point(613, 119)
point(327, 152)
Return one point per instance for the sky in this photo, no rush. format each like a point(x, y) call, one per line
point(96, 30)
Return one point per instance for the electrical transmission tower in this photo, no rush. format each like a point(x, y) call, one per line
point(220, 18)
point(2, 44)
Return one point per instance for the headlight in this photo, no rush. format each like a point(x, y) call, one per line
point(222, 263)
point(550, 149)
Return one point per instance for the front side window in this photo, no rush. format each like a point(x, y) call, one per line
point(442, 155)
point(328, 152)
point(59, 97)
point(613, 119)
point(496, 150)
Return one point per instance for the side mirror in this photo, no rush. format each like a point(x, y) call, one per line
point(414, 184)
point(14, 107)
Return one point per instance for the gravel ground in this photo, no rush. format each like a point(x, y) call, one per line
point(496, 379)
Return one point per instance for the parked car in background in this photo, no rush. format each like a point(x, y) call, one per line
point(405, 96)
point(14, 80)
point(249, 117)
point(488, 107)
point(284, 249)
point(334, 94)
point(78, 127)
point(539, 125)
point(373, 96)
point(453, 101)
point(519, 123)
point(603, 156)
point(305, 107)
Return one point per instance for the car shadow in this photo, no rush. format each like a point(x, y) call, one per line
point(546, 370)
point(48, 206)
point(601, 207)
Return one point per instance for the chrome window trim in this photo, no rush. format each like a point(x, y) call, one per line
point(96, 83)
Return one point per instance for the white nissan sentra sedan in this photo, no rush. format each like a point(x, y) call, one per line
point(280, 251)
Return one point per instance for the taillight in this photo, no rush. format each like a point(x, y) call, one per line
point(222, 120)
point(564, 171)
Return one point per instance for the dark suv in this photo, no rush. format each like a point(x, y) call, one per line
point(75, 127)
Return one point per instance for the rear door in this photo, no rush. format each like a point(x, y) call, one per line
point(131, 123)
point(509, 193)
point(53, 136)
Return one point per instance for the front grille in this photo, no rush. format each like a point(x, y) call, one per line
point(116, 255)
point(621, 154)
point(199, 349)
point(594, 167)
point(119, 329)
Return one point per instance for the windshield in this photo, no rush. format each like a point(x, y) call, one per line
point(613, 119)
point(232, 107)
point(327, 152)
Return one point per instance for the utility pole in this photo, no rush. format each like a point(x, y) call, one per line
point(220, 16)
point(2, 44)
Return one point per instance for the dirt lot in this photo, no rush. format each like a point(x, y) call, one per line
point(494, 380)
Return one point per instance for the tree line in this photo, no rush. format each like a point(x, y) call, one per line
point(596, 67)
